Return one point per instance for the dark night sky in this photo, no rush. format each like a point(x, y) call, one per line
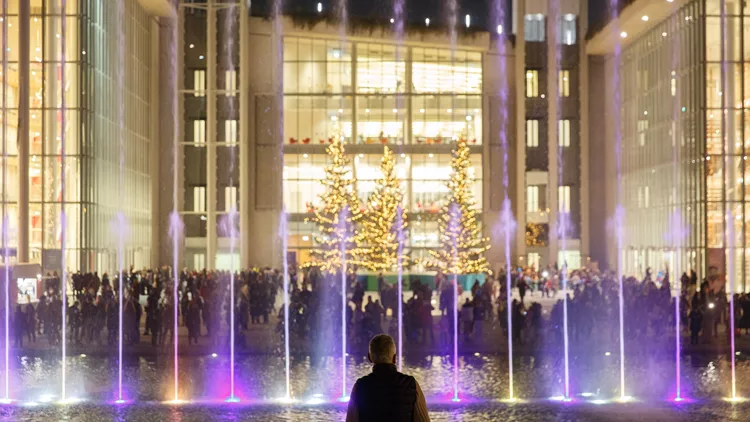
point(417, 10)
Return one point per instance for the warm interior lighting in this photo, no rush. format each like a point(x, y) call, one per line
point(644, 18)
point(623, 34)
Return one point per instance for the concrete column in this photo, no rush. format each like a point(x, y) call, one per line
point(24, 13)
point(583, 112)
point(520, 111)
point(553, 93)
point(211, 125)
point(244, 141)
point(154, 145)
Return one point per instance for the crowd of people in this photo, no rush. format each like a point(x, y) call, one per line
point(427, 305)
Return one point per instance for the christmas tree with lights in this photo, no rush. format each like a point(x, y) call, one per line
point(338, 217)
point(384, 224)
point(462, 248)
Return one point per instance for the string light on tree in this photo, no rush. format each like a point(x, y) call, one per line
point(384, 218)
point(461, 248)
point(339, 201)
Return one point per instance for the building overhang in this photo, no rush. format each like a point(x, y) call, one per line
point(162, 8)
point(631, 23)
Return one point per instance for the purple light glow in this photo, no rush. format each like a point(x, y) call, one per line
point(400, 234)
point(561, 217)
point(619, 219)
point(6, 222)
point(175, 222)
point(506, 216)
point(342, 242)
point(455, 338)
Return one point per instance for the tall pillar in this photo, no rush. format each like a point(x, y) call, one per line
point(553, 93)
point(520, 156)
point(154, 145)
point(244, 141)
point(583, 112)
point(24, 13)
point(211, 124)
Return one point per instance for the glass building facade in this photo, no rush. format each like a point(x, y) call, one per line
point(416, 100)
point(73, 101)
point(684, 149)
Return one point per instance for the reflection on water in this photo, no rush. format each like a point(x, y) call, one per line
point(261, 378)
point(316, 384)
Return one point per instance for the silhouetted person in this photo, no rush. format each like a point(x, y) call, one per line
point(386, 394)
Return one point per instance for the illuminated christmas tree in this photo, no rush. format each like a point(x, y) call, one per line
point(384, 224)
point(338, 216)
point(461, 248)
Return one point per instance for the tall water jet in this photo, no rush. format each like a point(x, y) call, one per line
point(398, 29)
point(63, 225)
point(553, 20)
point(229, 44)
point(342, 15)
point(400, 282)
point(285, 264)
point(276, 13)
point(343, 234)
point(6, 220)
point(677, 231)
point(119, 71)
point(728, 129)
point(452, 11)
point(506, 215)
point(175, 222)
point(619, 212)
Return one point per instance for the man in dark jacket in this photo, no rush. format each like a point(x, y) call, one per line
point(386, 394)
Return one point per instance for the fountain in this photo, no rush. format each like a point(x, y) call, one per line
point(5, 220)
point(727, 86)
point(230, 15)
point(506, 215)
point(452, 18)
point(400, 282)
point(342, 234)
point(119, 73)
point(619, 217)
point(63, 225)
point(285, 264)
point(553, 20)
point(398, 25)
point(276, 14)
point(342, 14)
point(175, 221)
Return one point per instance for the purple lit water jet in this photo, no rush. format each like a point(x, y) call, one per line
point(6, 221)
point(278, 29)
point(452, 8)
point(63, 225)
point(399, 281)
point(283, 234)
point(342, 236)
point(727, 123)
point(175, 222)
point(120, 70)
point(619, 217)
point(562, 208)
point(398, 21)
point(231, 229)
point(506, 215)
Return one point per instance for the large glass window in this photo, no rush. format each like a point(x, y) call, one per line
point(534, 29)
point(532, 83)
point(532, 133)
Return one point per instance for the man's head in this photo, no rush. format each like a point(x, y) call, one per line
point(382, 349)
